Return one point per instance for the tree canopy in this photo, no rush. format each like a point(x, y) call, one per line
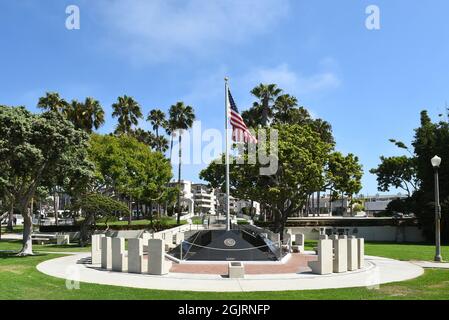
point(306, 158)
point(36, 150)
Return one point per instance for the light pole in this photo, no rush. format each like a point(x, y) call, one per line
point(436, 161)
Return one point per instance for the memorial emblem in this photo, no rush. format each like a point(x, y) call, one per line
point(229, 242)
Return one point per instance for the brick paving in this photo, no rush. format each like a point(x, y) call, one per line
point(296, 264)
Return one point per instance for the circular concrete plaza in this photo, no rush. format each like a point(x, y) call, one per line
point(292, 275)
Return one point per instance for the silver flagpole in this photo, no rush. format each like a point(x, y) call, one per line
point(228, 220)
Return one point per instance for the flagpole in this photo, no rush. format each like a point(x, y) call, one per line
point(228, 220)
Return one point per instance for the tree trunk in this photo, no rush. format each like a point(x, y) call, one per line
point(85, 230)
point(9, 227)
point(265, 110)
point(313, 203)
point(55, 207)
point(178, 220)
point(130, 210)
point(27, 244)
point(318, 202)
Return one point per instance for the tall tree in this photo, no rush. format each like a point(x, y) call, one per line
point(283, 107)
point(86, 116)
point(267, 94)
point(344, 174)
point(52, 102)
point(181, 118)
point(397, 172)
point(36, 150)
point(128, 112)
point(157, 120)
point(302, 156)
point(94, 206)
point(128, 168)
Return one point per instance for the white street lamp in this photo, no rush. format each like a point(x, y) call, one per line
point(436, 161)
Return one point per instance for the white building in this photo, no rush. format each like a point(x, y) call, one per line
point(186, 195)
point(199, 198)
point(378, 203)
point(205, 200)
point(236, 206)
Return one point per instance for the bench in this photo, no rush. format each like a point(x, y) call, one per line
point(40, 241)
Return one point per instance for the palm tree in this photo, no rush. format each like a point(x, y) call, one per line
point(52, 102)
point(283, 106)
point(267, 94)
point(143, 136)
point(128, 112)
point(93, 114)
point(170, 128)
point(181, 118)
point(85, 116)
point(159, 143)
point(157, 119)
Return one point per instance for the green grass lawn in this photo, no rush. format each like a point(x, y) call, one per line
point(19, 279)
point(15, 229)
point(15, 245)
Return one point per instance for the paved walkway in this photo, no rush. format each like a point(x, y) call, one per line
point(431, 264)
point(377, 271)
point(295, 264)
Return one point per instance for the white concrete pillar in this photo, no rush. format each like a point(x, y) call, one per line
point(95, 248)
point(179, 237)
point(146, 236)
point(340, 253)
point(168, 237)
point(156, 257)
point(324, 265)
point(106, 250)
point(353, 261)
point(275, 237)
point(135, 256)
point(119, 258)
point(361, 252)
point(157, 235)
point(299, 241)
point(62, 239)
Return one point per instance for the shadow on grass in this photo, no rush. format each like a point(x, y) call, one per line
point(11, 254)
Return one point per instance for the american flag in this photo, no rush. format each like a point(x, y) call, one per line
point(240, 132)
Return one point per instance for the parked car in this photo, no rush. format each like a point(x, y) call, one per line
point(398, 215)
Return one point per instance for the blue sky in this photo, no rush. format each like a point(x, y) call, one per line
point(369, 84)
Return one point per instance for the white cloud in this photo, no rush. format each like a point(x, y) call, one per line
point(160, 30)
point(291, 81)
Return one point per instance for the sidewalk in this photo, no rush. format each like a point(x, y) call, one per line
point(377, 271)
point(432, 264)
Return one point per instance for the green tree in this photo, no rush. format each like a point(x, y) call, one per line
point(283, 107)
point(431, 139)
point(128, 168)
point(85, 116)
point(344, 174)
point(157, 120)
point(302, 156)
point(181, 118)
point(94, 206)
point(263, 109)
point(128, 112)
point(267, 94)
point(52, 102)
point(36, 150)
point(398, 172)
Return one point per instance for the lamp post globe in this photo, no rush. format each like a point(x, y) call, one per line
point(436, 161)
